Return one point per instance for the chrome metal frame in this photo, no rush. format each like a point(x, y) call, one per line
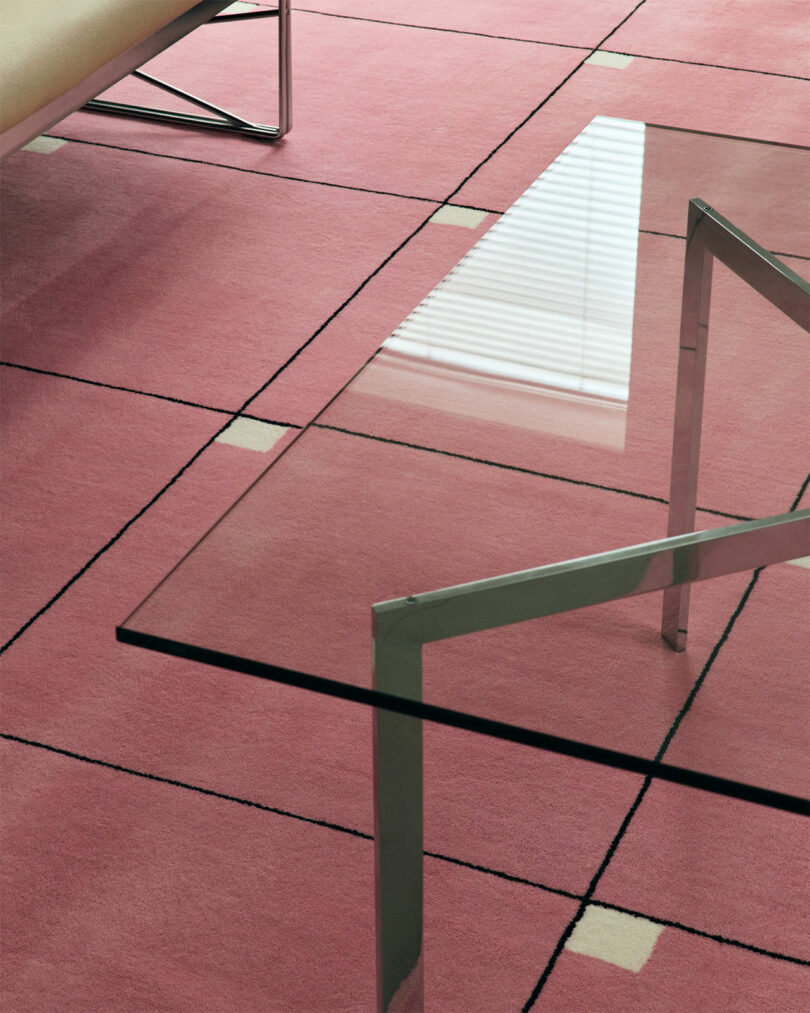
point(226, 120)
point(402, 626)
point(709, 235)
point(82, 96)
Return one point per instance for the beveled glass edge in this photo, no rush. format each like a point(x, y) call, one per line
point(614, 759)
point(726, 137)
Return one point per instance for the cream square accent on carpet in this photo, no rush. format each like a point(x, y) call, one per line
point(44, 145)
point(803, 561)
point(450, 214)
point(615, 937)
point(239, 8)
point(615, 60)
point(252, 434)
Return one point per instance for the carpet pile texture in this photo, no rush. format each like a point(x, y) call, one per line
point(177, 307)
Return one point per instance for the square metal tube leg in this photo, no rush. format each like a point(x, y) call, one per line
point(697, 290)
point(398, 835)
point(711, 236)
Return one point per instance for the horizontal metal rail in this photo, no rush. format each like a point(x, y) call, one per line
point(577, 583)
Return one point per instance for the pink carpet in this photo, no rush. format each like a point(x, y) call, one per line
point(345, 344)
point(692, 30)
point(534, 20)
point(180, 838)
point(685, 95)
point(152, 316)
point(54, 430)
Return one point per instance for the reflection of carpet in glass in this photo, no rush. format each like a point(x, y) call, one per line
point(461, 390)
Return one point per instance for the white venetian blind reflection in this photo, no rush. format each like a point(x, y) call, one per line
point(546, 297)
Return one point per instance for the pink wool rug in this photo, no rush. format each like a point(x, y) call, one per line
point(176, 307)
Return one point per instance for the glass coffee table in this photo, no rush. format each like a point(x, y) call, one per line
point(464, 534)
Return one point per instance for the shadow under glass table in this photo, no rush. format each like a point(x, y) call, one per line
point(520, 417)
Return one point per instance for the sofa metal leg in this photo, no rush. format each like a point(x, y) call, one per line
point(225, 120)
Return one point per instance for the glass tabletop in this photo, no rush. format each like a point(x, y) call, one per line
point(522, 415)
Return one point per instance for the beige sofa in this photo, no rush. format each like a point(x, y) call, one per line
point(56, 56)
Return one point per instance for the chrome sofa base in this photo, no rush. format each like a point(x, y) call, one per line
point(225, 120)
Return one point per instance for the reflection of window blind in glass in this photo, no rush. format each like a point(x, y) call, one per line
point(546, 296)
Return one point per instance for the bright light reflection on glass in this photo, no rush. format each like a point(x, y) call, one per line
point(540, 312)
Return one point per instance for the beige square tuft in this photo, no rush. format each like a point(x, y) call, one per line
point(615, 937)
point(617, 61)
point(451, 214)
point(252, 434)
point(44, 145)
